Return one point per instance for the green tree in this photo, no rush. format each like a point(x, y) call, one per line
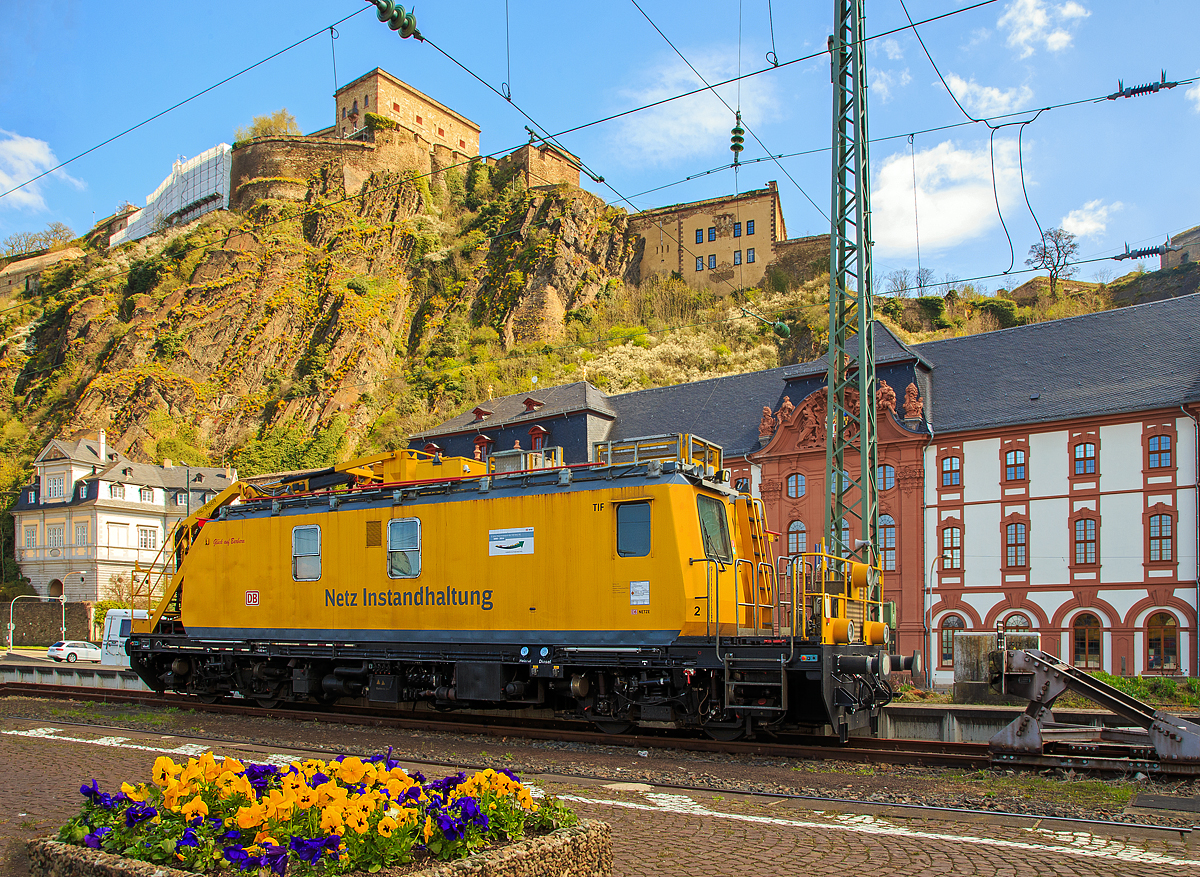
point(1054, 253)
point(278, 122)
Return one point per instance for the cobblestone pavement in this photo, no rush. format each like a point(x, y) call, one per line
point(656, 832)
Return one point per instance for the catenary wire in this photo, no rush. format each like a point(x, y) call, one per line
point(717, 94)
point(169, 109)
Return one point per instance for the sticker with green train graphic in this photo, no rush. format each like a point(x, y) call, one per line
point(517, 540)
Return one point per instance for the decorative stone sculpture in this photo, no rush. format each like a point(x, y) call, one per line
point(785, 411)
point(885, 398)
point(913, 405)
point(766, 425)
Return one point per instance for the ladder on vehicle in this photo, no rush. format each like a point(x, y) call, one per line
point(755, 574)
point(772, 675)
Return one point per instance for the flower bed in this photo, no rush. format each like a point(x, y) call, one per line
point(311, 817)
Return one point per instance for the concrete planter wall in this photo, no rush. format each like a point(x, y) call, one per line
point(583, 850)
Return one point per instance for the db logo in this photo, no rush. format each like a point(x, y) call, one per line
point(252, 598)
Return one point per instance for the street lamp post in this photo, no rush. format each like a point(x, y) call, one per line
point(927, 617)
point(12, 605)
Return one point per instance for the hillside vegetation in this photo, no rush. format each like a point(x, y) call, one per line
point(298, 333)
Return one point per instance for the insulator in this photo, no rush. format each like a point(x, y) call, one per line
point(384, 9)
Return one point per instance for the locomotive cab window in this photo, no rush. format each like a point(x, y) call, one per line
point(714, 528)
point(633, 529)
point(306, 553)
point(404, 548)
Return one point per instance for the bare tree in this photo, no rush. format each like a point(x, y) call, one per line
point(923, 278)
point(1103, 276)
point(899, 283)
point(1054, 253)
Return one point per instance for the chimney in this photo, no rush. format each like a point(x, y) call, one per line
point(103, 456)
point(167, 463)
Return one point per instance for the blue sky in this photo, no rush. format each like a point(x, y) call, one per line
point(1114, 171)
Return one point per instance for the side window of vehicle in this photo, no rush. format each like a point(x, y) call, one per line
point(633, 529)
point(404, 548)
point(306, 553)
point(126, 627)
point(714, 528)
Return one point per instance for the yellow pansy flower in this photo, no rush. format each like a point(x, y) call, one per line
point(386, 826)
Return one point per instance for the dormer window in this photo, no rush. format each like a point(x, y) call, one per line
point(483, 447)
point(481, 413)
point(431, 448)
point(537, 437)
point(532, 404)
point(181, 498)
point(116, 491)
point(146, 495)
point(33, 497)
point(54, 487)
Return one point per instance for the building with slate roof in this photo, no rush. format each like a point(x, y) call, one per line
point(91, 516)
point(1041, 478)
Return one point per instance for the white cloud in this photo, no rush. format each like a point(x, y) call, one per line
point(954, 196)
point(882, 82)
point(1033, 22)
point(23, 158)
point(987, 100)
point(892, 48)
point(1193, 94)
point(693, 125)
point(979, 36)
point(1090, 220)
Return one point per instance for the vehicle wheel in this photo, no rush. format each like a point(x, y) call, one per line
point(58, 660)
point(724, 733)
point(267, 703)
point(72, 657)
point(613, 727)
point(207, 698)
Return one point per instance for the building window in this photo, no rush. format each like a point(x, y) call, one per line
point(31, 537)
point(181, 498)
point(750, 226)
point(306, 553)
point(1085, 459)
point(32, 497)
point(737, 257)
point(54, 486)
point(343, 112)
point(1014, 541)
point(146, 494)
point(712, 263)
point(699, 235)
point(1160, 538)
point(1085, 541)
point(395, 107)
point(750, 254)
point(951, 472)
point(462, 144)
point(887, 542)
point(441, 132)
point(81, 529)
point(951, 624)
point(797, 538)
point(845, 482)
point(699, 263)
point(1014, 466)
point(147, 537)
point(951, 548)
point(118, 535)
point(1162, 642)
point(537, 438)
point(737, 229)
point(83, 491)
point(404, 548)
point(420, 121)
point(1160, 452)
point(1086, 631)
point(116, 491)
point(54, 536)
point(633, 529)
point(885, 477)
point(1016, 623)
point(712, 233)
point(366, 100)
point(795, 486)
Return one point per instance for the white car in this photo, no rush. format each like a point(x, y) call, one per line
point(72, 651)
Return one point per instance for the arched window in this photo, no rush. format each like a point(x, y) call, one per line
point(1160, 452)
point(1085, 541)
point(845, 533)
point(1086, 630)
point(1014, 540)
point(797, 538)
point(1085, 459)
point(1016, 623)
point(951, 472)
point(795, 486)
point(845, 482)
point(1014, 466)
point(951, 548)
point(950, 625)
point(1162, 643)
point(885, 477)
point(887, 542)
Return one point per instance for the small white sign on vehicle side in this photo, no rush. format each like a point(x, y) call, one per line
point(518, 540)
point(639, 593)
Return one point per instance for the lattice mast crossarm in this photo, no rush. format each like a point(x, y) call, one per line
point(851, 428)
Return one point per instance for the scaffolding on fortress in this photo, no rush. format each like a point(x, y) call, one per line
point(193, 188)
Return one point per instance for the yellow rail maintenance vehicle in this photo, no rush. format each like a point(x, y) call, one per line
point(639, 589)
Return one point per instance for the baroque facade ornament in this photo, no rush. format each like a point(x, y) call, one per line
point(885, 398)
point(913, 404)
